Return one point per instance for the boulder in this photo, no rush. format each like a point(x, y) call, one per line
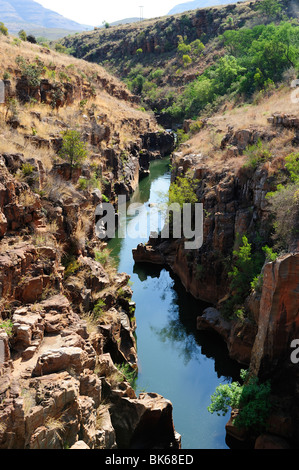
point(211, 319)
point(56, 360)
point(145, 422)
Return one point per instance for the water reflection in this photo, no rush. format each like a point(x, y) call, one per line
point(180, 325)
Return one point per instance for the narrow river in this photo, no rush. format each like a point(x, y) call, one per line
point(175, 360)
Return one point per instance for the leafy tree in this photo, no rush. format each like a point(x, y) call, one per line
point(60, 48)
point(245, 268)
point(3, 29)
point(271, 8)
point(136, 85)
point(32, 71)
point(256, 60)
point(183, 48)
point(227, 72)
point(186, 60)
point(292, 165)
point(244, 275)
point(197, 47)
point(22, 35)
point(73, 148)
point(31, 38)
point(183, 190)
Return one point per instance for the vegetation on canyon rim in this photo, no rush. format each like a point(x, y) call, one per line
point(184, 75)
point(251, 398)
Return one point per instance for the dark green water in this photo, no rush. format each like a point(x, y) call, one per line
point(175, 360)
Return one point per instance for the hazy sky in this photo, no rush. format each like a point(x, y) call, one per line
point(94, 12)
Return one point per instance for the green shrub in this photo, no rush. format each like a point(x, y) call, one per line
point(102, 256)
point(3, 29)
point(31, 39)
point(182, 136)
point(270, 8)
point(98, 309)
point(186, 60)
point(195, 127)
point(292, 165)
point(183, 191)
point(157, 74)
point(245, 275)
point(92, 182)
point(7, 326)
point(197, 47)
point(16, 41)
point(256, 154)
point(129, 373)
point(32, 72)
point(256, 60)
point(284, 203)
point(70, 264)
point(6, 75)
point(64, 77)
point(60, 48)
point(252, 399)
point(73, 148)
point(244, 269)
point(22, 35)
point(27, 169)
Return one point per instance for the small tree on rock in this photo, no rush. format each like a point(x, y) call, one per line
point(73, 148)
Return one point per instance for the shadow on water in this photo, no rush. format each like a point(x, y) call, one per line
point(181, 326)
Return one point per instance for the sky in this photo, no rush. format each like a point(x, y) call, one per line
point(94, 12)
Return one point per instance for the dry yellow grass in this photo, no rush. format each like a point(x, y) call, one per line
point(248, 116)
point(124, 119)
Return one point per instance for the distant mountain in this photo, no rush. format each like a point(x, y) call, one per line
point(181, 7)
point(34, 18)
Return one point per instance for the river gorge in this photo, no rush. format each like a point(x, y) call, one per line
point(174, 359)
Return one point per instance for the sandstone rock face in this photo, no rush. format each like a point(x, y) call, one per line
point(22, 275)
point(278, 314)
